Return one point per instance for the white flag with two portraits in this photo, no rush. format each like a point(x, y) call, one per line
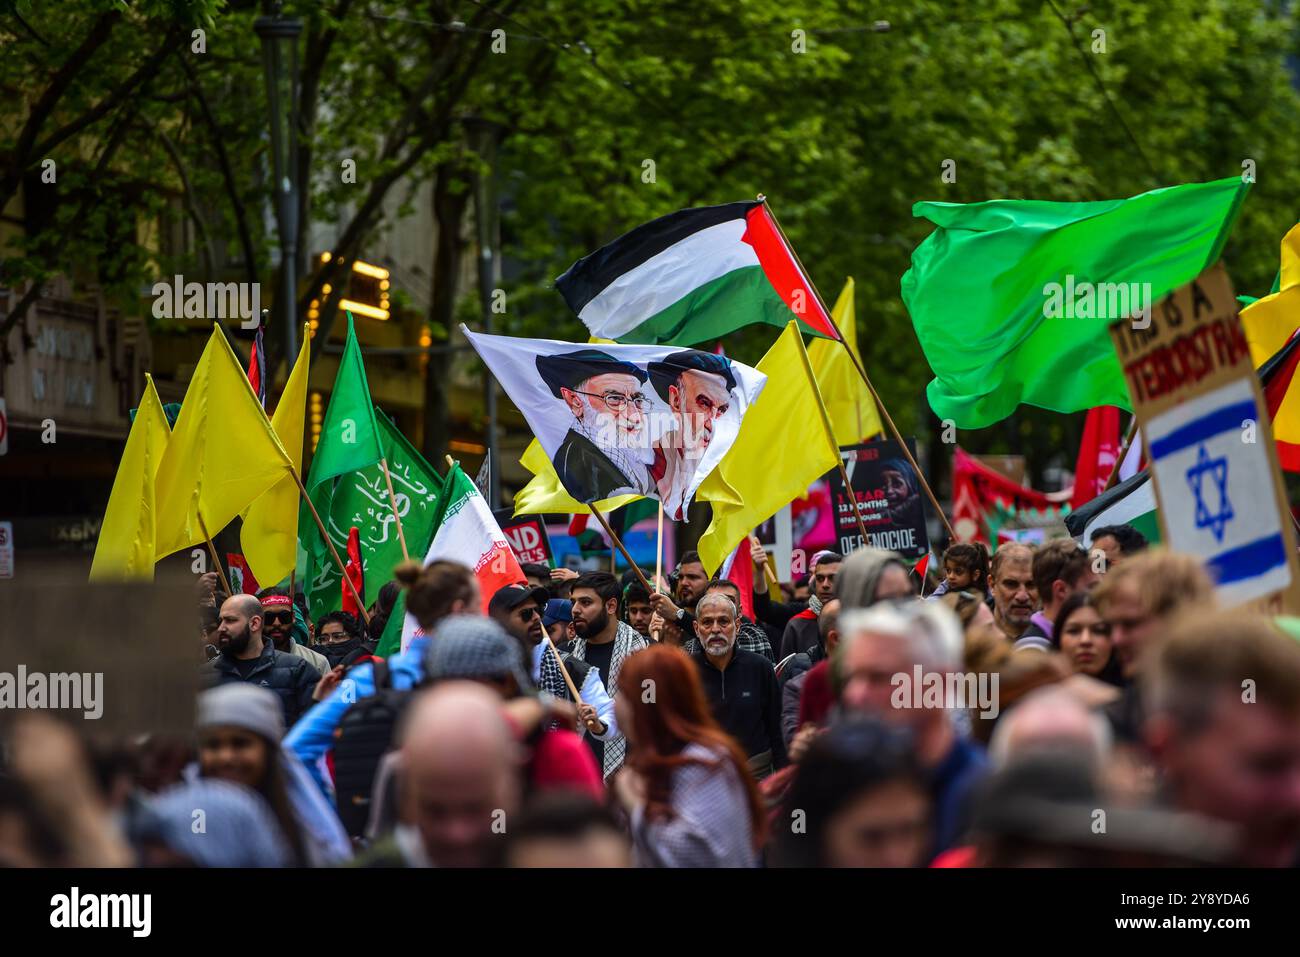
point(617, 420)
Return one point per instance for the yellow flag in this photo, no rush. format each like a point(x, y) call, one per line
point(269, 536)
point(849, 404)
point(223, 453)
point(1269, 322)
point(125, 550)
point(774, 458)
point(544, 493)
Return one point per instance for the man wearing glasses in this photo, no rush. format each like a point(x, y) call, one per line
point(520, 611)
point(606, 450)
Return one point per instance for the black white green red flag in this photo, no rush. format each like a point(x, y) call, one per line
point(693, 276)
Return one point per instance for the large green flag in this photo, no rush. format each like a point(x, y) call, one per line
point(349, 437)
point(1011, 299)
point(360, 498)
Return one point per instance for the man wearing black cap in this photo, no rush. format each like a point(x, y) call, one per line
point(599, 456)
point(519, 611)
point(697, 387)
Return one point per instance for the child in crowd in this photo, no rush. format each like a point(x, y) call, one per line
point(965, 568)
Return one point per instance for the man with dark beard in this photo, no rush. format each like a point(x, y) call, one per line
point(246, 656)
point(603, 641)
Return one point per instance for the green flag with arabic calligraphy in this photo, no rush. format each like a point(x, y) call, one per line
point(360, 498)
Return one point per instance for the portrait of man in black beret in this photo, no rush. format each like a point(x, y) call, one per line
point(600, 456)
point(697, 388)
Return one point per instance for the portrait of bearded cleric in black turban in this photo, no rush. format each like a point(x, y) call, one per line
point(605, 450)
point(697, 387)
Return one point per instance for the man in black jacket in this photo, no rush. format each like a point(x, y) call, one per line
point(246, 656)
point(740, 686)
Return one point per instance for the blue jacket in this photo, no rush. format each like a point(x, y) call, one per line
point(313, 735)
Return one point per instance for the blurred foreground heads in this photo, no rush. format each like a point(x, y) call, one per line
point(1223, 726)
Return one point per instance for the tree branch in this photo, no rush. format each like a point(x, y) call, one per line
point(227, 173)
point(191, 206)
point(143, 74)
point(18, 161)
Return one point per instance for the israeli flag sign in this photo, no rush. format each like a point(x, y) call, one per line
point(1216, 489)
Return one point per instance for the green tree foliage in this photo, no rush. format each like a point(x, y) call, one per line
point(843, 122)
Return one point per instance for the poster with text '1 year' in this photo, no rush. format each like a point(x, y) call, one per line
point(888, 495)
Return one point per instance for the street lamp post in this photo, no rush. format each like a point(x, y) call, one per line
point(279, 37)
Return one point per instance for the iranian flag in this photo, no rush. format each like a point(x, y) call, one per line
point(466, 532)
point(694, 276)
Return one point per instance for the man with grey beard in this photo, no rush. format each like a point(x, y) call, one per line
point(603, 452)
point(740, 685)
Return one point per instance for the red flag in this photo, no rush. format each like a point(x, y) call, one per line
point(978, 490)
point(1097, 454)
point(739, 568)
point(257, 368)
point(355, 571)
point(578, 524)
point(922, 567)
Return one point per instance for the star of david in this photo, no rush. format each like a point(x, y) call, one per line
point(1218, 471)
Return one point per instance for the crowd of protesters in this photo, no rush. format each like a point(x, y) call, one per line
point(992, 718)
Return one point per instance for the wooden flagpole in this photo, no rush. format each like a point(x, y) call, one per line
point(659, 547)
point(852, 496)
point(212, 550)
point(884, 412)
point(392, 503)
point(1123, 451)
point(302, 489)
point(564, 671)
point(622, 551)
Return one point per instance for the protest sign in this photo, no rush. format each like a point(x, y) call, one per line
point(527, 537)
point(1210, 443)
point(888, 495)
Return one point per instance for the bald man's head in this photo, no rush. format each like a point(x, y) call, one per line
point(1052, 719)
point(239, 633)
point(461, 774)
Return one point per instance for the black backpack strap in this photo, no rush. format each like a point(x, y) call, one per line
point(383, 677)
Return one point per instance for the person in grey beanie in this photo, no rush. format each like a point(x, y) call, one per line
point(239, 727)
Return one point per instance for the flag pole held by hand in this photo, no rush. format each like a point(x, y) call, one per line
point(212, 550)
point(564, 671)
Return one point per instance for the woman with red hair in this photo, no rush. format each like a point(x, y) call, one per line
point(686, 783)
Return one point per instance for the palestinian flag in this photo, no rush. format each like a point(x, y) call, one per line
point(1131, 502)
point(694, 276)
point(465, 531)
